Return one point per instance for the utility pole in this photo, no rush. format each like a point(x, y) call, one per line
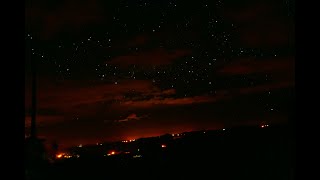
point(33, 132)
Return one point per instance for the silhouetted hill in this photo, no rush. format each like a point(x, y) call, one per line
point(236, 153)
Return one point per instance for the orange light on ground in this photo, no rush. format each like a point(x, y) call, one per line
point(163, 146)
point(59, 156)
point(111, 153)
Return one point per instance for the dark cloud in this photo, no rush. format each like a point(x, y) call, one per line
point(131, 117)
point(256, 65)
point(44, 120)
point(150, 58)
point(67, 16)
point(69, 95)
point(138, 41)
point(262, 24)
point(268, 33)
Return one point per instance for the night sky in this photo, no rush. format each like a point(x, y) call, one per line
point(113, 70)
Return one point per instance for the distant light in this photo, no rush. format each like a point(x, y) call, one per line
point(137, 156)
point(172, 134)
point(59, 155)
point(111, 153)
point(204, 132)
point(163, 146)
point(80, 145)
point(262, 126)
point(223, 129)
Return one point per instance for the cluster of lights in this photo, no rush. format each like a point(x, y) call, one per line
point(177, 135)
point(137, 156)
point(131, 140)
point(111, 153)
point(264, 126)
point(163, 146)
point(65, 156)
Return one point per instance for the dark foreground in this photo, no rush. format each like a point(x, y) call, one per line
point(240, 153)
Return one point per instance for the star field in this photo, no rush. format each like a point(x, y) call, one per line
point(185, 50)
